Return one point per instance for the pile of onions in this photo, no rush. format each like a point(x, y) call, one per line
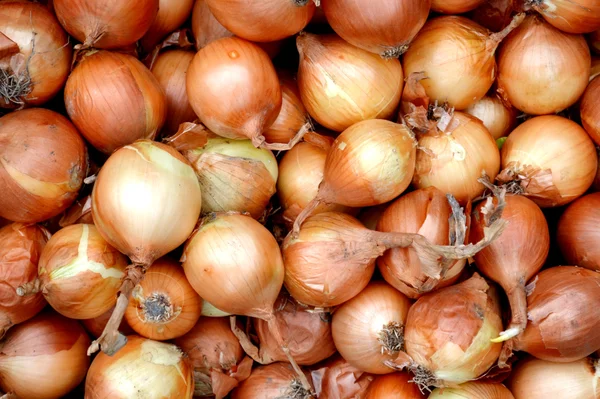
point(457, 56)
point(43, 161)
point(217, 357)
point(341, 85)
point(474, 390)
point(20, 252)
point(80, 272)
point(146, 202)
point(385, 28)
point(455, 6)
point(578, 235)
point(36, 55)
point(96, 325)
point(114, 100)
point(392, 386)
point(171, 15)
point(590, 110)
point(336, 378)
point(571, 16)
point(540, 379)
point(277, 380)
point(107, 25)
point(368, 330)
point(497, 117)
point(263, 20)
point(550, 159)
point(43, 358)
point(205, 26)
point(143, 368)
point(524, 76)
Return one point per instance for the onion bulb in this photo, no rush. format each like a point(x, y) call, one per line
point(36, 56)
point(143, 368)
point(337, 379)
point(455, 6)
point(43, 358)
point(106, 24)
point(385, 28)
point(20, 296)
point(96, 325)
point(498, 118)
point(571, 16)
point(578, 233)
point(542, 70)
point(171, 15)
point(205, 26)
point(163, 305)
point(43, 161)
point(550, 159)
point(473, 390)
point(274, 381)
point(114, 100)
point(341, 85)
point(393, 386)
point(590, 110)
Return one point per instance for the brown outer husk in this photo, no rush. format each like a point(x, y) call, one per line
point(335, 378)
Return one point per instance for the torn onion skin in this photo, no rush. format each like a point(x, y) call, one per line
point(473, 390)
point(277, 380)
point(335, 378)
point(455, 6)
point(590, 110)
point(393, 386)
point(571, 16)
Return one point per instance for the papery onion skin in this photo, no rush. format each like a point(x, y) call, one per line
point(473, 390)
point(341, 85)
point(171, 15)
point(336, 378)
point(360, 327)
point(44, 50)
point(205, 26)
point(392, 386)
point(80, 272)
point(590, 110)
point(542, 70)
point(106, 24)
point(114, 100)
point(571, 16)
point(43, 161)
point(578, 234)
point(455, 6)
point(292, 117)
point(145, 368)
point(496, 117)
point(44, 358)
point(274, 381)
point(385, 28)
point(96, 325)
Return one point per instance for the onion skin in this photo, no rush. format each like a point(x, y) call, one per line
point(455, 6)
point(578, 232)
point(550, 72)
point(385, 28)
point(43, 161)
point(336, 378)
point(205, 26)
point(269, 382)
point(111, 115)
point(44, 358)
point(50, 60)
point(146, 368)
point(571, 16)
point(106, 24)
point(498, 119)
point(473, 390)
point(341, 85)
point(590, 110)
point(292, 117)
point(20, 252)
point(392, 386)
point(171, 15)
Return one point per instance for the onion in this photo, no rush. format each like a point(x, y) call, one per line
point(495, 14)
point(96, 325)
point(550, 159)
point(143, 368)
point(542, 70)
point(341, 85)
point(263, 20)
point(79, 212)
point(473, 390)
point(171, 15)
point(590, 110)
point(455, 6)
point(498, 118)
point(274, 381)
point(385, 27)
point(146, 202)
point(37, 56)
point(457, 56)
point(368, 329)
point(205, 26)
point(217, 357)
point(337, 379)
point(43, 358)
point(578, 233)
point(539, 379)
point(571, 16)
point(43, 161)
point(209, 310)
point(20, 252)
point(392, 386)
point(106, 24)
point(114, 100)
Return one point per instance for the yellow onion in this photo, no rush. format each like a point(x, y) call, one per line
point(114, 100)
point(542, 70)
point(143, 368)
point(590, 110)
point(274, 381)
point(392, 386)
point(341, 85)
point(455, 6)
point(473, 390)
point(335, 378)
point(497, 117)
point(171, 15)
point(36, 55)
point(571, 16)
point(550, 159)
point(205, 26)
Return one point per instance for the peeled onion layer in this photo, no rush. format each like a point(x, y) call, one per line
point(571, 16)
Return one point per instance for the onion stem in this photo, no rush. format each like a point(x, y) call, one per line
point(497, 37)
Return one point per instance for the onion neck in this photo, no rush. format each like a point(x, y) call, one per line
point(517, 298)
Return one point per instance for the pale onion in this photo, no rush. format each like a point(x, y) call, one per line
point(571, 16)
point(36, 56)
point(499, 118)
point(114, 100)
point(393, 386)
point(549, 158)
point(43, 358)
point(277, 380)
point(143, 368)
point(341, 85)
point(474, 390)
point(205, 26)
point(590, 110)
point(335, 378)
point(455, 6)
point(542, 70)
point(171, 15)
point(43, 161)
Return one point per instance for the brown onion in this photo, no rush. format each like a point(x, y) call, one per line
point(96, 325)
point(43, 358)
point(341, 85)
point(205, 26)
point(571, 16)
point(37, 62)
point(542, 70)
point(114, 100)
point(171, 15)
point(393, 386)
point(337, 379)
point(43, 161)
point(473, 390)
point(497, 117)
point(590, 110)
point(455, 6)
point(274, 381)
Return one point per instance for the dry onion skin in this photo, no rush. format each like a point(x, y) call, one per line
point(498, 118)
point(571, 16)
point(277, 380)
point(590, 110)
point(455, 6)
point(392, 386)
point(171, 15)
point(205, 26)
point(143, 368)
point(36, 56)
point(114, 100)
point(474, 390)
point(542, 70)
point(43, 161)
point(336, 378)
point(341, 85)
